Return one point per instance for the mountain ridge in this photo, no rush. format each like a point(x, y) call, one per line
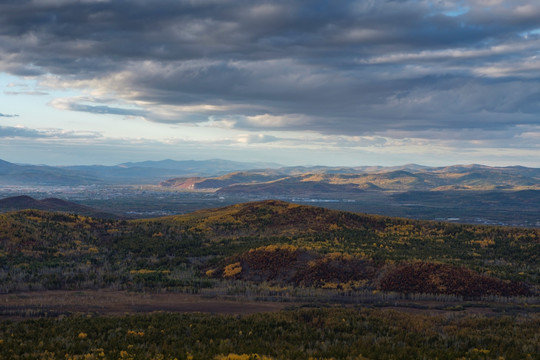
point(286, 181)
point(126, 173)
point(219, 174)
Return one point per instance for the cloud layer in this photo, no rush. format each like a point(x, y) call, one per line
point(21, 132)
point(392, 68)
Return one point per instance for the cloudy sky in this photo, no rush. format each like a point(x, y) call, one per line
point(362, 82)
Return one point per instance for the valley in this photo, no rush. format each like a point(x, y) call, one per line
point(274, 264)
point(503, 208)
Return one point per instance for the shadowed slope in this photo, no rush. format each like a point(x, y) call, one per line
point(23, 202)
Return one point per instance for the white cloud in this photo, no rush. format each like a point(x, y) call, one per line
point(360, 75)
point(276, 121)
point(255, 139)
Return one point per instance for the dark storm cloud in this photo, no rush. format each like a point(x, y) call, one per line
point(335, 67)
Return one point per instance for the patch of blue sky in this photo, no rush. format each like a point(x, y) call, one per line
point(526, 34)
point(462, 10)
point(30, 101)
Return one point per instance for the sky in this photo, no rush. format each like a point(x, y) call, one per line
point(297, 82)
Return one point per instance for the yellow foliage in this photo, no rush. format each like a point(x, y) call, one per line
point(79, 357)
point(232, 269)
point(483, 242)
point(82, 335)
point(339, 256)
point(148, 271)
point(330, 285)
point(333, 227)
point(210, 272)
point(142, 271)
point(135, 333)
point(354, 284)
point(276, 247)
point(480, 351)
point(242, 357)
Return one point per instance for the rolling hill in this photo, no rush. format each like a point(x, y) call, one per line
point(24, 202)
point(324, 182)
point(265, 242)
point(230, 177)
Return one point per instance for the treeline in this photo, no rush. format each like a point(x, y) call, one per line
point(295, 334)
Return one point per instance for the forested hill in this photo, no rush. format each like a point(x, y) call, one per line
point(44, 250)
point(24, 202)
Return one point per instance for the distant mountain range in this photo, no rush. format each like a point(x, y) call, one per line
point(322, 181)
point(43, 175)
point(127, 173)
point(269, 179)
point(16, 203)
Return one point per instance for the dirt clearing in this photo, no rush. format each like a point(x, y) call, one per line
point(103, 302)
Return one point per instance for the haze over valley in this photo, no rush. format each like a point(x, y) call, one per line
point(461, 193)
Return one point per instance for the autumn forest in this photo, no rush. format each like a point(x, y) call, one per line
point(353, 286)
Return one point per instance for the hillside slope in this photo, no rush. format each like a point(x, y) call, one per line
point(51, 250)
point(23, 202)
point(329, 181)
